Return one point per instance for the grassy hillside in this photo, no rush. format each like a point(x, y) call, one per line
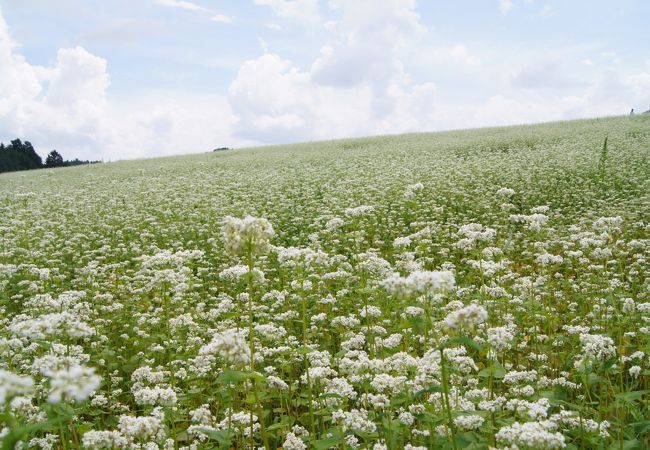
point(459, 289)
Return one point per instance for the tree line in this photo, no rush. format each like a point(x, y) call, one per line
point(19, 155)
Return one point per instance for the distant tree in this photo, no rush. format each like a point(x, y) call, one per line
point(19, 155)
point(31, 158)
point(78, 162)
point(54, 159)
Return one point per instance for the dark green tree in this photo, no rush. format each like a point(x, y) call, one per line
point(19, 155)
point(54, 159)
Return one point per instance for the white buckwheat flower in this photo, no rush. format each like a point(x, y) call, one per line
point(466, 317)
point(12, 384)
point(230, 345)
point(421, 282)
point(293, 442)
point(75, 383)
point(530, 435)
point(103, 440)
point(597, 346)
point(500, 338)
point(250, 234)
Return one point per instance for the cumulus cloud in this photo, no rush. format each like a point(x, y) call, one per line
point(366, 42)
point(19, 81)
point(457, 54)
point(169, 123)
point(182, 4)
point(305, 11)
point(221, 18)
point(545, 11)
point(606, 93)
point(67, 107)
point(505, 6)
point(66, 101)
point(356, 85)
point(549, 71)
point(576, 87)
point(124, 30)
point(359, 84)
point(195, 7)
point(277, 102)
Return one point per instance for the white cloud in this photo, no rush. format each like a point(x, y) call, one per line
point(169, 123)
point(195, 7)
point(505, 6)
point(356, 86)
point(124, 30)
point(551, 71)
point(19, 81)
point(359, 84)
point(182, 4)
point(366, 42)
point(67, 107)
point(305, 11)
point(546, 12)
point(457, 54)
point(276, 101)
point(220, 18)
point(543, 12)
point(65, 102)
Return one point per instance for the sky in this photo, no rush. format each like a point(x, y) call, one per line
point(123, 79)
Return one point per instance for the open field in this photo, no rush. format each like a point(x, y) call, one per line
point(451, 290)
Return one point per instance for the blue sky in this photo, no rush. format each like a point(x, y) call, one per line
point(117, 79)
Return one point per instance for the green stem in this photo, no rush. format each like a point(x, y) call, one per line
point(251, 337)
point(445, 391)
point(304, 343)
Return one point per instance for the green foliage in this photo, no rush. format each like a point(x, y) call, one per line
point(18, 155)
point(54, 159)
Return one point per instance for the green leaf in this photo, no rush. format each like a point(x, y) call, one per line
point(497, 371)
point(593, 379)
point(366, 436)
point(432, 388)
point(555, 395)
point(223, 437)
point(632, 444)
point(277, 426)
point(20, 433)
point(607, 365)
point(631, 397)
point(182, 437)
point(323, 444)
point(132, 364)
point(641, 427)
point(234, 376)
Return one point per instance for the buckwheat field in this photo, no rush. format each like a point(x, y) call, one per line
point(459, 290)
